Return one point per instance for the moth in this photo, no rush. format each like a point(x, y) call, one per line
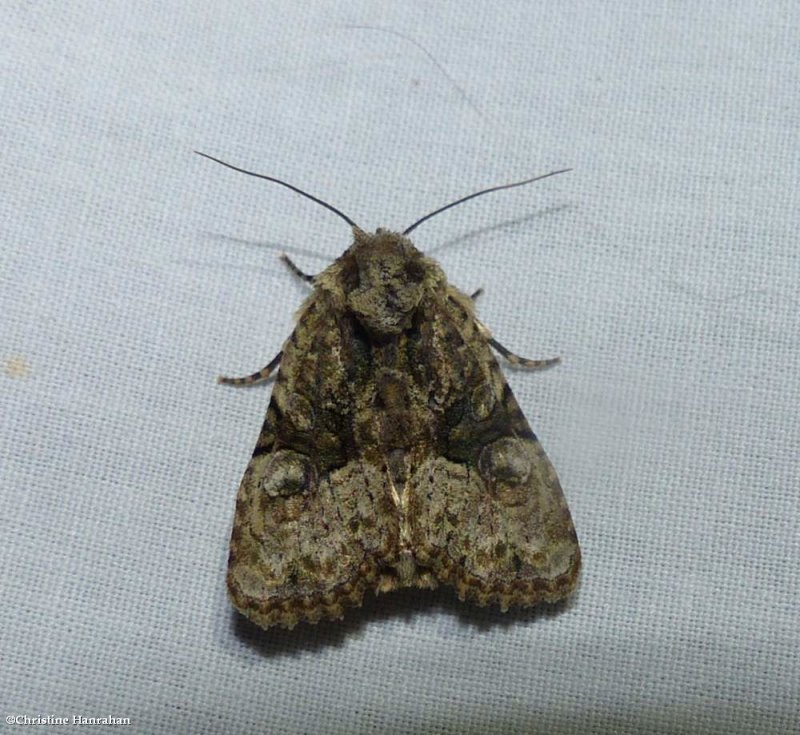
point(393, 453)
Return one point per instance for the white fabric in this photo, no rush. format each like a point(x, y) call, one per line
point(663, 269)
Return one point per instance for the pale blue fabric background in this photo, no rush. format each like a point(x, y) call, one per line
point(663, 269)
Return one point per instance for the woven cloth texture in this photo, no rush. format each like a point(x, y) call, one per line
point(663, 269)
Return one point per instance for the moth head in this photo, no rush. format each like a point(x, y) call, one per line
point(386, 281)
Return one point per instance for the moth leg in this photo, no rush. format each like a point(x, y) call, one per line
point(523, 361)
point(258, 377)
point(477, 293)
point(516, 359)
point(294, 269)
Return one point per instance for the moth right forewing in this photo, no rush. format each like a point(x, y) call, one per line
point(314, 522)
point(486, 512)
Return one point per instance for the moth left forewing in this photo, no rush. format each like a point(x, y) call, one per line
point(314, 523)
point(486, 511)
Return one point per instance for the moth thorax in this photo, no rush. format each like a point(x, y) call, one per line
point(390, 272)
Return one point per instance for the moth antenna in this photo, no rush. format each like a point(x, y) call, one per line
point(282, 183)
point(480, 193)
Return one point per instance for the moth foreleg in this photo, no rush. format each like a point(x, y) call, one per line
point(477, 293)
point(258, 377)
point(523, 361)
point(294, 269)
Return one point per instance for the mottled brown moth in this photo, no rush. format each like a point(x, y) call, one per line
point(393, 453)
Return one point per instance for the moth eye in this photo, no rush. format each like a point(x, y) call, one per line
point(505, 460)
point(350, 276)
point(288, 473)
point(415, 271)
